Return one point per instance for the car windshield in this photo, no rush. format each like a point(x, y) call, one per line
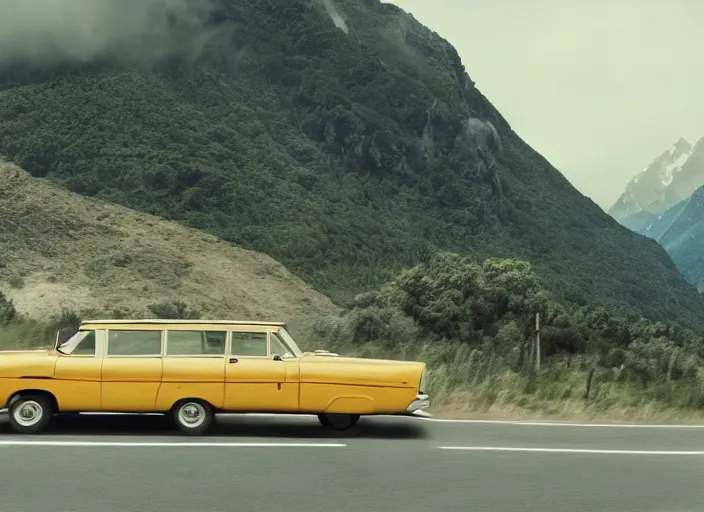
point(286, 340)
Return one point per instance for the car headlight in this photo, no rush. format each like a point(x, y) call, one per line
point(423, 380)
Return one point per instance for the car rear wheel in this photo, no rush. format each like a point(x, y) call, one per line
point(30, 414)
point(338, 421)
point(193, 417)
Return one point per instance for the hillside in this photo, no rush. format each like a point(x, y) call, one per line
point(61, 250)
point(344, 140)
point(671, 178)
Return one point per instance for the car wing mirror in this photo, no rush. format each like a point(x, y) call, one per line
point(277, 357)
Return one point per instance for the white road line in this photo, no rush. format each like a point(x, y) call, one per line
point(538, 423)
point(159, 444)
point(568, 450)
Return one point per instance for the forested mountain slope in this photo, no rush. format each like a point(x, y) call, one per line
point(345, 140)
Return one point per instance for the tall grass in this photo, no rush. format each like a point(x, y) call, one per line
point(471, 381)
point(23, 333)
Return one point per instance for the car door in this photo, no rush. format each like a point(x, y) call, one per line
point(255, 381)
point(77, 372)
point(132, 369)
point(194, 367)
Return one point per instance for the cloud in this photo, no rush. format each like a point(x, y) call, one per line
point(43, 32)
point(335, 16)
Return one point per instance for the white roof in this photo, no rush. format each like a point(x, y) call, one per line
point(172, 321)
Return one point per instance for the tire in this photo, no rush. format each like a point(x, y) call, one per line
point(338, 421)
point(30, 414)
point(324, 421)
point(193, 417)
point(170, 419)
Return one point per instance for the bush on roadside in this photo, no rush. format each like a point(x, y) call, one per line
point(474, 322)
point(8, 313)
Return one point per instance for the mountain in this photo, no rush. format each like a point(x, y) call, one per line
point(664, 203)
point(61, 250)
point(344, 139)
point(680, 230)
point(672, 177)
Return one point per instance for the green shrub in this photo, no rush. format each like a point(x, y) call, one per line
point(8, 313)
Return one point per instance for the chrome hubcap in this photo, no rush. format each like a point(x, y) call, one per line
point(28, 414)
point(192, 414)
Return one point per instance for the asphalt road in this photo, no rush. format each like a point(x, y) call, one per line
point(253, 464)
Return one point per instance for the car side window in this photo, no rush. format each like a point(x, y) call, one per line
point(279, 347)
point(195, 343)
point(249, 344)
point(85, 347)
point(134, 343)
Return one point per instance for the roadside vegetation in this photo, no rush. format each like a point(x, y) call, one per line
point(473, 322)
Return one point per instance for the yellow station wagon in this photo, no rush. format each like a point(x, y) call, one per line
point(192, 370)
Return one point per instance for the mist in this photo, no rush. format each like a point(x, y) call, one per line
point(335, 16)
point(44, 32)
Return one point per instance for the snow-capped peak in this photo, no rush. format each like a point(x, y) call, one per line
point(635, 179)
point(657, 187)
point(673, 168)
point(677, 155)
point(667, 164)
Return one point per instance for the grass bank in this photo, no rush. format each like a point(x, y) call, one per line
point(466, 383)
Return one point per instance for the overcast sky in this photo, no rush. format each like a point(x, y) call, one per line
point(598, 87)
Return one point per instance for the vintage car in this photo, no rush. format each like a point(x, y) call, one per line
point(191, 370)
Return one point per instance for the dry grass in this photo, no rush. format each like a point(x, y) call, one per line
point(60, 250)
point(614, 403)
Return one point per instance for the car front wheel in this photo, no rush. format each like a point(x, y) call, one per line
point(338, 421)
point(30, 414)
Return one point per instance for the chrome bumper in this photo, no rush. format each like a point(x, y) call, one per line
point(417, 407)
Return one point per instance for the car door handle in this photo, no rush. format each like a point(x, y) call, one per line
point(233, 360)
